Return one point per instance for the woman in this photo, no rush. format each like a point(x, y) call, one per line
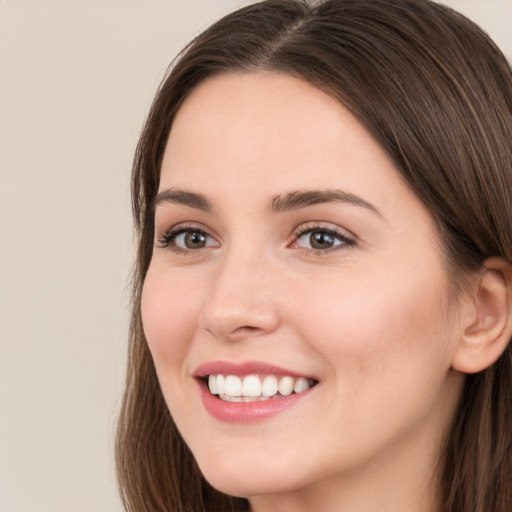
point(322, 298)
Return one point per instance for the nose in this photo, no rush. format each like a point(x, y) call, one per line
point(242, 301)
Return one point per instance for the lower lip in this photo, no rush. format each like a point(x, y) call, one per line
point(245, 412)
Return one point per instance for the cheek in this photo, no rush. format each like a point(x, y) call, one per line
point(371, 326)
point(386, 350)
point(169, 316)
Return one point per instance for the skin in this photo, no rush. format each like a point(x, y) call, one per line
point(372, 320)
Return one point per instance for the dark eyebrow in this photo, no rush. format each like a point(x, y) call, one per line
point(304, 198)
point(172, 195)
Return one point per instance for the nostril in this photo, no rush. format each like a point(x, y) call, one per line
point(247, 329)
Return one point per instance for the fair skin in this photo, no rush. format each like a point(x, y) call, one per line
point(349, 290)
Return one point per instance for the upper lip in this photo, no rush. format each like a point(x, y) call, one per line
point(244, 368)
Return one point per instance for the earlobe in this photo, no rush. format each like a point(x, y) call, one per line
point(488, 319)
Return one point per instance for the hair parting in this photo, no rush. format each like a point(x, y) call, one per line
point(436, 93)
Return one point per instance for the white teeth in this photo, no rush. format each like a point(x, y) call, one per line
point(251, 388)
point(286, 386)
point(301, 384)
point(233, 386)
point(221, 384)
point(212, 385)
point(269, 386)
point(231, 398)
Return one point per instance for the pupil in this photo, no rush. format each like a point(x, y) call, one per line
point(194, 240)
point(321, 240)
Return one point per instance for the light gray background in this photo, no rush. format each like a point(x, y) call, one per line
point(76, 80)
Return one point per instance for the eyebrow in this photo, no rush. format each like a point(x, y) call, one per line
point(177, 196)
point(304, 198)
point(282, 203)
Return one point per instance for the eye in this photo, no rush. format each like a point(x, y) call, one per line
point(183, 239)
point(320, 239)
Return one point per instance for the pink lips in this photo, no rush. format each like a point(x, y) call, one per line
point(244, 412)
point(240, 369)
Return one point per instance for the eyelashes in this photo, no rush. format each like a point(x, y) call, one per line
point(321, 239)
point(182, 239)
point(312, 238)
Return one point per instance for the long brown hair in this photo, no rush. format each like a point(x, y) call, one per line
point(436, 93)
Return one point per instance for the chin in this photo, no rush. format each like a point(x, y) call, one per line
point(245, 480)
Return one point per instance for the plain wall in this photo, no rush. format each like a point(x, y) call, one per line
point(76, 80)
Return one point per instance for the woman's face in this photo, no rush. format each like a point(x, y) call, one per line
point(290, 253)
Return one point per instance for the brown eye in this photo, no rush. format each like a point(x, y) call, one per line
point(194, 239)
point(321, 240)
point(187, 239)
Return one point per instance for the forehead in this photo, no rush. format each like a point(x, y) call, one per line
point(232, 115)
point(269, 133)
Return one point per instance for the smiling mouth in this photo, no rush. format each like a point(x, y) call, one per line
point(254, 388)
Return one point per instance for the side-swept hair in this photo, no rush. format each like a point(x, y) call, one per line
point(436, 93)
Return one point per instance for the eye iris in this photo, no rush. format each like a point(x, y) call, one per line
point(321, 240)
point(195, 240)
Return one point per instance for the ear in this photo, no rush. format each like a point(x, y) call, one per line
point(486, 318)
